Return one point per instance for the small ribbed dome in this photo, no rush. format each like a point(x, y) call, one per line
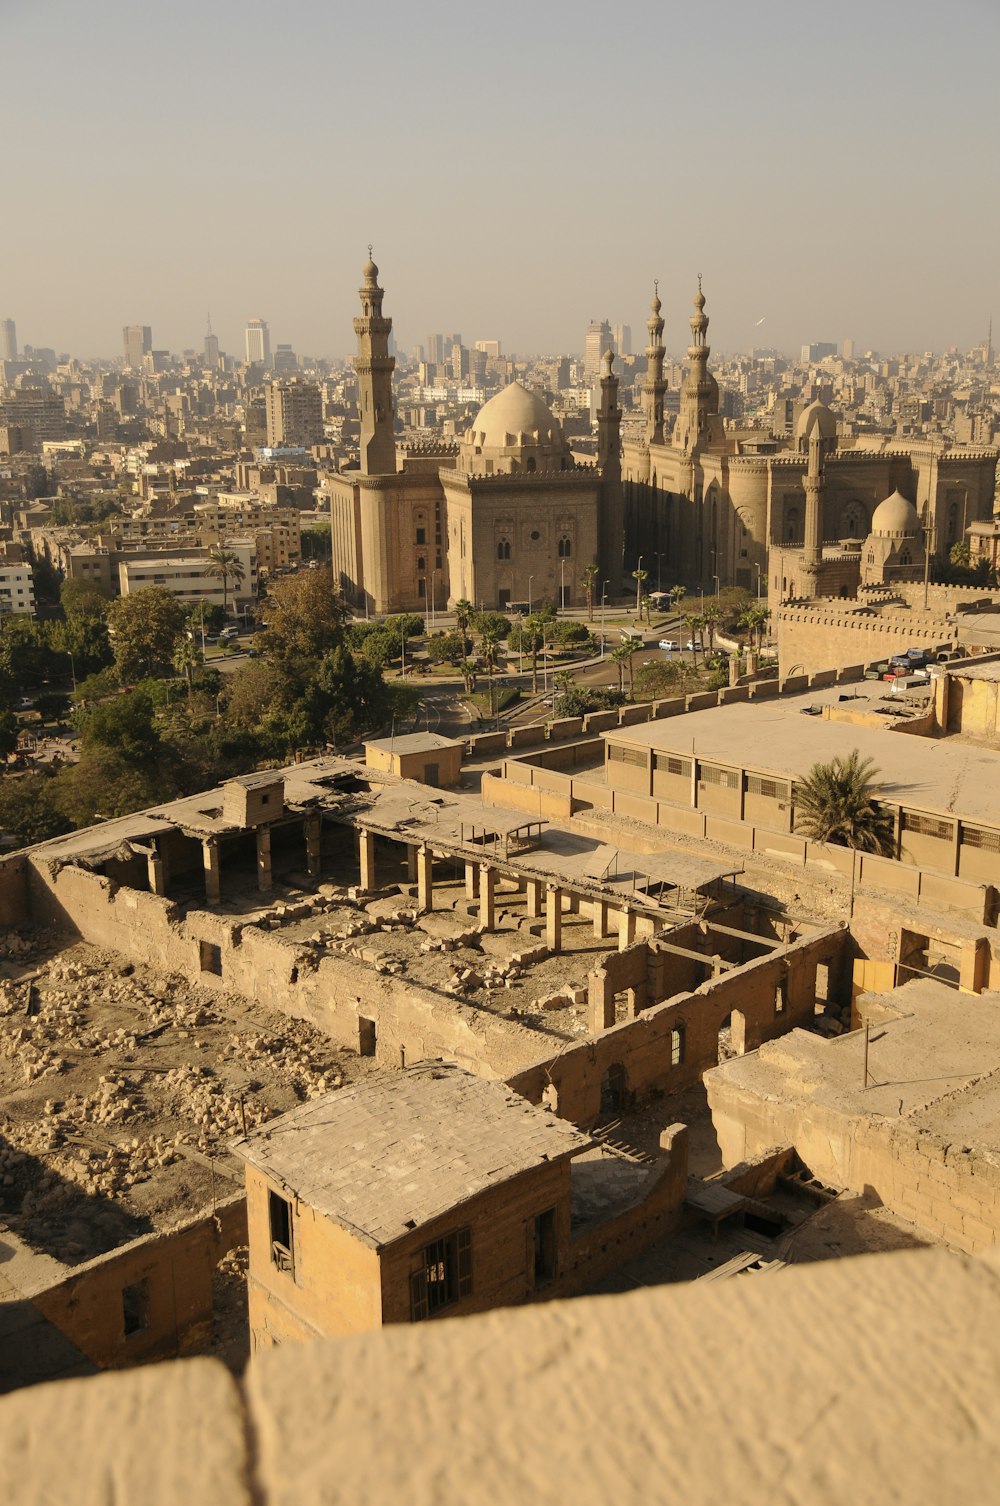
point(896, 517)
point(816, 415)
point(513, 412)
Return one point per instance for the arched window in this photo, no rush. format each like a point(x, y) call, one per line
point(503, 549)
point(871, 556)
point(421, 562)
point(904, 558)
point(952, 522)
point(529, 464)
point(565, 548)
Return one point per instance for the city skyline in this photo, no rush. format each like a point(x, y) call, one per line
point(516, 190)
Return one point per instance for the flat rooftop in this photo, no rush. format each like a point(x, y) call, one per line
point(384, 1157)
point(937, 1065)
point(774, 737)
point(414, 742)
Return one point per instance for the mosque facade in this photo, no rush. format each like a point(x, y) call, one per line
point(505, 515)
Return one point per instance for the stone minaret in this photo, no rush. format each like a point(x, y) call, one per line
point(374, 366)
point(815, 485)
point(699, 399)
point(654, 386)
point(611, 533)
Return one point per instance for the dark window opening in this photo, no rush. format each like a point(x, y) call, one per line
point(211, 958)
point(444, 1277)
point(614, 1090)
point(135, 1307)
point(677, 1044)
point(367, 1036)
point(545, 1247)
point(421, 535)
point(279, 1213)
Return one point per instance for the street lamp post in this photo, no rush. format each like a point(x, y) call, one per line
point(717, 588)
point(530, 579)
point(659, 579)
point(757, 568)
point(638, 583)
point(604, 597)
point(562, 583)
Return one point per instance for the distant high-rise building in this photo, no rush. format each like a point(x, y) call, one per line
point(285, 359)
point(596, 341)
point(8, 340)
point(847, 349)
point(211, 346)
point(459, 358)
point(817, 351)
point(258, 343)
point(623, 338)
point(490, 348)
point(435, 349)
point(137, 339)
point(294, 414)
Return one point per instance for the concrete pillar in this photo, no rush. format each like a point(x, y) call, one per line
point(213, 887)
point(366, 854)
point(472, 880)
point(600, 919)
point(157, 874)
point(626, 929)
point(553, 918)
point(600, 1001)
point(572, 904)
point(535, 889)
point(264, 859)
point(487, 896)
point(425, 878)
point(635, 1000)
point(314, 837)
point(411, 864)
point(974, 966)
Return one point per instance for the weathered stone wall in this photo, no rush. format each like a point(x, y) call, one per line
point(174, 1270)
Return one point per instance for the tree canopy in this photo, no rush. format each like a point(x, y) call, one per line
point(144, 629)
point(837, 803)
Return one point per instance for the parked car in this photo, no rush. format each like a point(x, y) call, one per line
point(689, 646)
point(668, 645)
point(228, 634)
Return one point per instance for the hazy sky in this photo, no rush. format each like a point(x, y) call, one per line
point(521, 166)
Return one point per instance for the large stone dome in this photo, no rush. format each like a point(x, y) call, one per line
point(896, 517)
point(817, 415)
point(513, 416)
point(514, 431)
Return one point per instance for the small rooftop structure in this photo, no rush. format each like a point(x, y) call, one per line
point(386, 1156)
point(426, 757)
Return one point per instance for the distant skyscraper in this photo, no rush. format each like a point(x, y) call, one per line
point(623, 338)
point(211, 346)
point(817, 351)
point(435, 349)
point(258, 339)
point(8, 341)
point(137, 339)
point(596, 342)
point(285, 359)
point(847, 349)
point(490, 348)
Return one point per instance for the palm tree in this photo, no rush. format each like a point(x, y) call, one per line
point(467, 669)
point(837, 803)
point(677, 595)
point(694, 625)
point(647, 607)
point(639, 576)
point(621, 656)
point(533, 639)
point(464, 613)
point(590, 575)
point(489, 652)
point(185, 657)
point(225, 565)
point(711, 615)
point(754, 619)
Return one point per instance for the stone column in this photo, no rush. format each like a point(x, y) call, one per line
point(553, 918)
point(425, 878)
point(600, 919)
point(635, 1000)
point(264, 859)
point(626, 929)
point(157, 874)
point(411, 864)
point(472, 880)
point(534, 898)
point(213, 887)
point(600, 1001)
point(487, 896)
point(314, 838)
point(366, 852)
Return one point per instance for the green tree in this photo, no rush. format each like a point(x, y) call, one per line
point(711, 618)
point(29, 811)
point(187, 656)
point(695, 626)
point(9, 730)
point(495, 623)
point(639, 576)
point(529, 638)
point(489, 653)
point(464, 613)
point(225, 565)
point(677, 595)
point(837, 803)
point(304, 618)
point(960, 554)
point(125, 724)
point(316, 542)
point(754, 620)
point(590, 578)
point(661, 679)
point(468, 672)
point(446, 648)
point(622, 656)
point(82, 598)
point(144, 629)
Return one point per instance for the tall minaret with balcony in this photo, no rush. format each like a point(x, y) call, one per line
point(611, 531)
point(654, 386)
point(374, 366)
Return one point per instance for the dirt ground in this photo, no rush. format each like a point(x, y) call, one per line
point(120, 1087)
